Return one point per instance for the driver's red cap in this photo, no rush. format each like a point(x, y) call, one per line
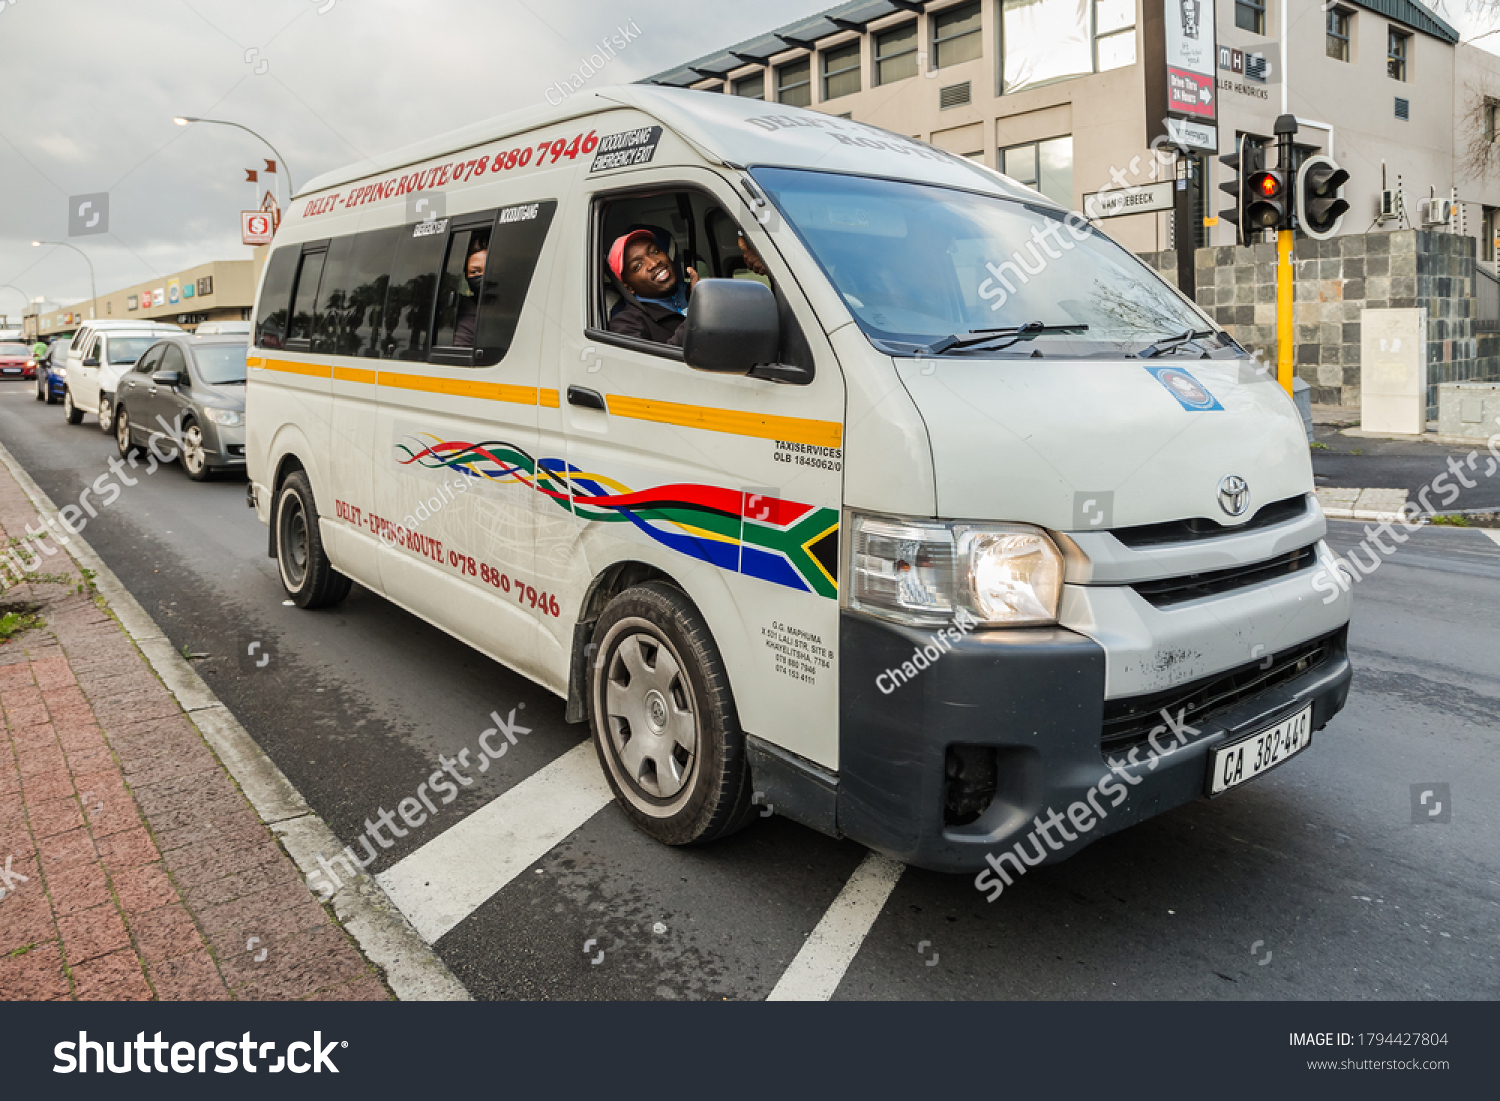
point(617, 250)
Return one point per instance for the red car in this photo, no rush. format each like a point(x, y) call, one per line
point(16, 361)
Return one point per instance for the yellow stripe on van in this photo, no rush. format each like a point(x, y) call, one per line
point(293, 367)
point(354, 374)
point(550, 398)
point(461, 388)
point(733, 421)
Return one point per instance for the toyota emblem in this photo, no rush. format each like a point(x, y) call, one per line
point(1234, 495)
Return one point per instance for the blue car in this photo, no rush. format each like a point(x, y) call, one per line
point(51, 375)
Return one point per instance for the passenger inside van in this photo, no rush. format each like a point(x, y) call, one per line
point(468, 298)
point(656, 301)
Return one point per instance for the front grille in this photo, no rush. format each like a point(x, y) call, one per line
point(1190, 531)
point(1194, 586)
point(1129, 722)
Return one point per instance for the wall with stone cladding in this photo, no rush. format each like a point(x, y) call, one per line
point(1333, 281)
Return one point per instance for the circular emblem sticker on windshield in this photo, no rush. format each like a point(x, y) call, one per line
point(1234, 495)
point(1191, 394)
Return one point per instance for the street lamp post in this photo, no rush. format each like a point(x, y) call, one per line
point(93, 289)
point(183, 120)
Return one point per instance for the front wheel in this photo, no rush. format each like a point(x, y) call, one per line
point(73, 414)
point(194, 458)
point(122, 435)
point(41, 389)
point(106, 413)
point(306, 572)
point(664, 721)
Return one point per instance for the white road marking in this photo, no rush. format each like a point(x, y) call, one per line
point(1493, 534)
point(819, 967)
point(456, 872)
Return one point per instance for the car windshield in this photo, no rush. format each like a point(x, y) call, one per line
point(919, 264)
point(128, 349)
point(58, 350)
point(14, 350)
point(221, 363)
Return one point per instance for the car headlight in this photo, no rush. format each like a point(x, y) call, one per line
point(60, 372)
point(923, 573)
point(227, 417)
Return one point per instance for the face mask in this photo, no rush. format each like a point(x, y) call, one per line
point(474, 281)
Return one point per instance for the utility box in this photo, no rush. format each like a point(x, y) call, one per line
point(1469, 410)
point(1393, 371)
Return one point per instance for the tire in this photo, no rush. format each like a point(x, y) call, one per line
point(106, 414)
point(122, 435)
point(655, 667)
point(52, 399)
point(71, 411)
point(41, 388)
point(306, 573)
point(194, 461)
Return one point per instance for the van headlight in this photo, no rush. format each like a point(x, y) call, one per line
point(227, 417)
point(924, 573)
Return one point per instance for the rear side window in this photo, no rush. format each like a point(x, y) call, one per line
point(515, 248)
point(366, 277)
point(333, 295)
point(275, 297)
point(305, 301)
point(407, 321)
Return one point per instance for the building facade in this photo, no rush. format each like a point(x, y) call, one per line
point(1055, 94)
point(222, 290)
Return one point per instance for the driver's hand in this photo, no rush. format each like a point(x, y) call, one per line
point(692, 277)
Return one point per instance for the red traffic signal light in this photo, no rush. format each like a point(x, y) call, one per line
point(1265, 205)
point(1268, 185)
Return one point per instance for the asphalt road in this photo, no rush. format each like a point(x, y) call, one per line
point(1318, 865)
point(1350, 462)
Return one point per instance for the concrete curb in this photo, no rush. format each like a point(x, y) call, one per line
point(413, 971)
point(1478, 517)
point(1408, 437)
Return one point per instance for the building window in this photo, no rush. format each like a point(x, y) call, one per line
point(1339, 22)
point(955, 36)
point(1250, 15)
point(752, 86)
point(841, 70)
point(1397, 45)
point(1114, 34)
point(794, 83)
point(1046, 166)
point(1491, 226)
point(1491, 110)
point(896, 54)
point(1046, 40)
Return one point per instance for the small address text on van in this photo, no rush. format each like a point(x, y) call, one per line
point(806, 454)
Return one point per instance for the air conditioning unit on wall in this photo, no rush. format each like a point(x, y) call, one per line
point(1390, 205)
point(1437, 212)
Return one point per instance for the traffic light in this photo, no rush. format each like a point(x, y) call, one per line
point(1248, 157)
point(1266, 202)
point(1320, 201)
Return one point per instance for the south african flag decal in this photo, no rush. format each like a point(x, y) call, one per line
point(784, 542)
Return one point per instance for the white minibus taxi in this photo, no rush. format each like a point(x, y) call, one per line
point(810, 465)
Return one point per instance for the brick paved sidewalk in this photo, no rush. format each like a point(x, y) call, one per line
point(147, 875)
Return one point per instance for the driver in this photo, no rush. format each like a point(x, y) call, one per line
point(656, 299)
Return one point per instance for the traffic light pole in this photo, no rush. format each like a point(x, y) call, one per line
point(1286, 127)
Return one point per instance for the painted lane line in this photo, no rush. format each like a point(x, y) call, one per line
point(819, 967)
point(1492, 533)
point(458, 871)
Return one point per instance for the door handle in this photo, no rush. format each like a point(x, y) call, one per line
point(151, 391)
point(587, 399)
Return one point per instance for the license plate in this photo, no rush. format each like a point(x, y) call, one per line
point(12, 370)
point(1232, 765)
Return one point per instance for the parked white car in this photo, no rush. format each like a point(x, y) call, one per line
point(101, 352)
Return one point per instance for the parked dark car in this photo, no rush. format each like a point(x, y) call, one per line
point(16, 361)
point(187, 393)
point(52, 372)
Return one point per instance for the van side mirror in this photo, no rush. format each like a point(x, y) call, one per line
point(731, 326)
point(91, 361)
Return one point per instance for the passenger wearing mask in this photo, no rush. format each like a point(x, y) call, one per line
point(468, 299)
point(655, 298)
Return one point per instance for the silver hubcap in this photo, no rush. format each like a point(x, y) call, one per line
point(649, 715)
point(122, 430)
point(293, 541)
point(67, 402)
point(104, 412)
point(192, 449)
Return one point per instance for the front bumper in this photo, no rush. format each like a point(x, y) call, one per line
point(225, 445)
point(1031, 703)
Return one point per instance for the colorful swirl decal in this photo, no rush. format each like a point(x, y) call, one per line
point(780, 541)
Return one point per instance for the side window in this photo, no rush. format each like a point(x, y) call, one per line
point(515, 248)
point(369, 273)
point(459, 289)
point(299, 332)
point(148, 362)
point(407, 319)
point(275, 297)
point(172, 360)
point(333, 296)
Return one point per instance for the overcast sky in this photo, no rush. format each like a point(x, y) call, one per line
point(90, 88)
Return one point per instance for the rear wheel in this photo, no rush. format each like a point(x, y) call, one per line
point(106, 413)
point(194, 458)
point(306, 572)
point(71, 411)
point(663, 718)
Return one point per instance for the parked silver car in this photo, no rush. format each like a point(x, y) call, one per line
point(186, 394)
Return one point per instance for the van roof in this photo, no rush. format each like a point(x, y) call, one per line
point(730, 130)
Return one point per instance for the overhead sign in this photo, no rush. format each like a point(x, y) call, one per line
point(1145, 199)
point(1191, 56)
point(256, 227)
point(174, 291)
point(1193, 135)
point(159, 296)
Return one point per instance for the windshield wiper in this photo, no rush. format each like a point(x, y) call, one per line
point(1151, 351)
point(1010, 334)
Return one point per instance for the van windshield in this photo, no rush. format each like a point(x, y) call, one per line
point(918, 264)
